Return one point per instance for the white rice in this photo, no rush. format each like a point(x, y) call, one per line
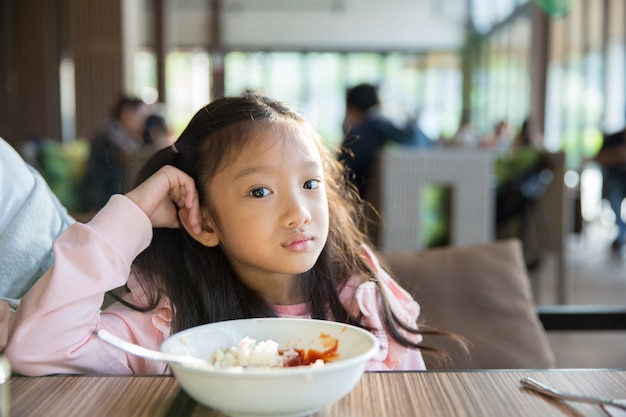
point(250, 353)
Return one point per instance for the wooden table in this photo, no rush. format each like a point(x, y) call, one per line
point(380, 394)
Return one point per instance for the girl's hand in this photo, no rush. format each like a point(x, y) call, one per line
point(166, 194)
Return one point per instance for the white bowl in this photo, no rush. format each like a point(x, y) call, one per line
point(276, 392)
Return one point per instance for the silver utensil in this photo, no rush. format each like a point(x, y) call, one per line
point(152, 354)
point(553, 393)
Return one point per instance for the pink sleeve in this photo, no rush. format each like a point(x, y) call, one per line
point(392, 355)
point(52, 329)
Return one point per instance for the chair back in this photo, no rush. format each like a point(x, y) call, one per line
point(482, 293)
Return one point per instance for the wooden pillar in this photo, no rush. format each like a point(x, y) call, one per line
point(29, 103)
point(216, 49)
point(539, 50)
point(95, 38)
point(34, 37)
point(8, 71)
point(161, 9)
point(468, 64)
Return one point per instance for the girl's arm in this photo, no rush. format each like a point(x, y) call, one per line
point(52, 330)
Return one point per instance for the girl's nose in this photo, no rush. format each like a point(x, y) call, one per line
point(296, 216)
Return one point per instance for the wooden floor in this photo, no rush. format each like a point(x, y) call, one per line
point(597, 276)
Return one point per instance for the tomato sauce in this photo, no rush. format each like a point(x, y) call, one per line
point(306, 357)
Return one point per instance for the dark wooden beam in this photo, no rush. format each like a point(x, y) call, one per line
point(216, 49)
point(160, 45)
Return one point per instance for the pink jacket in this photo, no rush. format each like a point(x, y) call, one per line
point(52, 330)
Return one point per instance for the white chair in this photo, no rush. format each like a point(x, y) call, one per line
point(397, 187)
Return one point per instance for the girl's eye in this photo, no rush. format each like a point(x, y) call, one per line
point(312, 184)
point(260, 192)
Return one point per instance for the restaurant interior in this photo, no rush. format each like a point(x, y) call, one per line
point(439, 63)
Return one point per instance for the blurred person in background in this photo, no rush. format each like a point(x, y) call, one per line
point(612, 159)
point(529, 136)
point(367, 131)
point(501, 139)
point(466, 136)
point(157, 133)
point(156, 136)
point(112, 151)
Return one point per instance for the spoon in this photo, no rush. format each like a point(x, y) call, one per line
point(156, 355)
point(551, 392)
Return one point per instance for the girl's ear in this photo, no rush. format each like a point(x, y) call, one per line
point(208, 236)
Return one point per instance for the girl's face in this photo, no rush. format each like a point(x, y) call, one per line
point(270, 210)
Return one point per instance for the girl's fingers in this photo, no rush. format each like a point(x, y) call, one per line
point(191, 209)
point(166, 193)
point(189, 203)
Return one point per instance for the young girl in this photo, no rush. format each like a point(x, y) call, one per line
point(246, 215)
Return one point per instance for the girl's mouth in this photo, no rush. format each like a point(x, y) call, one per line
point(299, 242)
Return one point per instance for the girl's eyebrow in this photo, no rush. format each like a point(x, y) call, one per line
point(257, 169)
point(262, 169)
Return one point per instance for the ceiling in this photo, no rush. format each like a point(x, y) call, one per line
point(323, 24)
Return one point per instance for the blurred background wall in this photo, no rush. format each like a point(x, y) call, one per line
point(562, 62)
